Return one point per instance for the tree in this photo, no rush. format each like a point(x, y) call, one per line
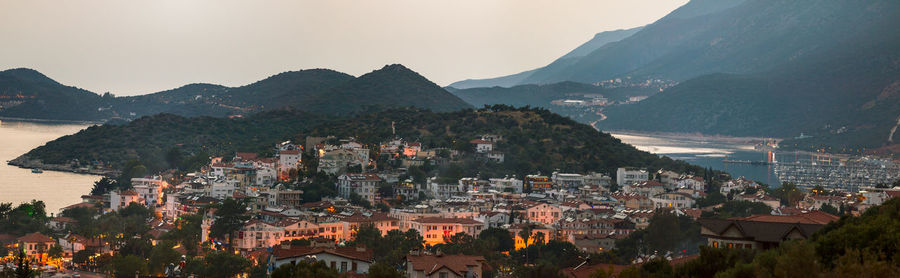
point(742, 209)
point(499, 235)
point(55, 251)
point(829, 209)
point(380, 270)
point(127, 266)
point(23, 266)
point(161, 256)
point(304, 269)
point(230, 217)
point(358, 200)
point(224, 265)
point(103, 186)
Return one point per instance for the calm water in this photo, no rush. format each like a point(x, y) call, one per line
point(710, 154)
point(17, 185)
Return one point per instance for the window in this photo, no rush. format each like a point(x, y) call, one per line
point(343, 267)
point(442, 274)
point(333, 266)
point(715, 244)
point(353, 267)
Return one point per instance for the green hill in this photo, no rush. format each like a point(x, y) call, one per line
point(536, 139)
point(28, 94)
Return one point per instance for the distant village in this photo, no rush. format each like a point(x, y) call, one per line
point(591, 210)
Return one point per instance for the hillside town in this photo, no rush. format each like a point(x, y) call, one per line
point(275, 225)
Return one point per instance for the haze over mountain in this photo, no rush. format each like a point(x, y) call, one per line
point(757, 68)
point(26, 93)
point(599, 40)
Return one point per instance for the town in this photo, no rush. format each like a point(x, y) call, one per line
point(356, 209)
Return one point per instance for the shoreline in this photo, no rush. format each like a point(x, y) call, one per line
point(32, 120)
point(25, 163)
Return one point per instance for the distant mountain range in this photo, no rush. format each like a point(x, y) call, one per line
point(25, 93)
point(828, 68)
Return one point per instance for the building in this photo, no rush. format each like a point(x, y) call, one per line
point(435, 229)
point(630, 175)
point(762, 231)
point(351, 260)
point(564, 180)
point(35, 246)
point(121, 199)
point(482, 146)
point(443, 266)
point(442, 191)
point(150, 189)
point(673, 200)
point(538, 183)
point(511, 185)
point(363, 184)
point(546, 214)
point(288, 160)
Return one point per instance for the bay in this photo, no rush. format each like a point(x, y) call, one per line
point(18, 185)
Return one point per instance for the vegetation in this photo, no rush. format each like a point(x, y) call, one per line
point(24, 218)
point(536, 140)
point(666, 233)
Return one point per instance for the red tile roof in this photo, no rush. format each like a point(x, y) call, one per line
point(455, 263)
point(286, 251)
point(442, 220)
point(479, 141)
point(812, 217)
point(35, 237)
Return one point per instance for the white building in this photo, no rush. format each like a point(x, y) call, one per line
point(442, 191)
point(507, 185)
point(482, 146)
point(121, 199)
point(630, 175)
point(363, 184)
point(673, 200)
point(150, 189)
point(288, 160)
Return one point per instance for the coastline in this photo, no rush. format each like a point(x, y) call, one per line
point(26, 163)
point(50, 121)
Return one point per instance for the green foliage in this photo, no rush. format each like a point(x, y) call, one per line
point(741, 209)
point(25, 218)
point(379, 270)
point(666, 232)
point(187, 232)
point(543, 270)
point(218, 265)
point(230, 217)
point(500, 237)
point(55, 251)
point(161, 256)
point(104, 185)
point(127, 266)
point(390, 249)
point(713, 260)
point(711, 199)
point(788, 193)
point(356, 199)
point(305, 269)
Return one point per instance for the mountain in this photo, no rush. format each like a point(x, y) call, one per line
point(536, 139)
point(599, 40)
point(542, 96)
point(26, 93)
point(33, 95)
point(830, 69)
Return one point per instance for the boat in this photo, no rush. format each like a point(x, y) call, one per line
point(37, 171)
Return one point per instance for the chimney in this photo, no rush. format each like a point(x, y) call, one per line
point(286, 246)
point(361, 248)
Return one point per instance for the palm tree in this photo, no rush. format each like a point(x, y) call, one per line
point(525, 234)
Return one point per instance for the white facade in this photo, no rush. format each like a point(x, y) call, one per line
point(626, 176)
point(507, 185)
point(150, 189)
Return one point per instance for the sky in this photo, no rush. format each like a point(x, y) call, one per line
point(140, 47)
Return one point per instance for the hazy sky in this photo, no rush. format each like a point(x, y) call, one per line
point(138, 47)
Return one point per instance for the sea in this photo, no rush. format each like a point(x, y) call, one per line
point(711, 153)
point(18, 185)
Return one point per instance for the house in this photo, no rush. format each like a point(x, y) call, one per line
point(363, 184)
point(60, 223)
point(442, 191)
point(352, 260)
point(738, 185)
point(511, 185)
point(567, 180)
point(443, 266)
point(121, 199)
point(538, 182)
point(762, 231)
point(632, 201)
point(482, 146)
point(35, 246)
point(596, 243)
point(493, 219)
point(543, 213)
point(435, 229)
point(150, 189)
point(288, 160)
point(760, 197)
point(257, 234)
point(645, 188)
point(630, 175)
point(380, 220)
point(495, 156)
point(677, 200)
